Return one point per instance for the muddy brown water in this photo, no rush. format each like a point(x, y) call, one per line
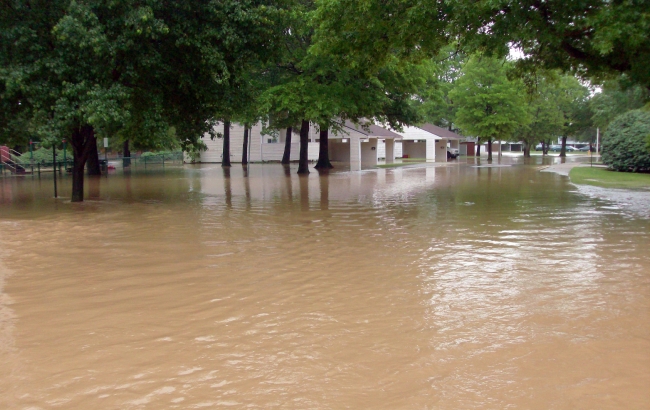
point(411, 288)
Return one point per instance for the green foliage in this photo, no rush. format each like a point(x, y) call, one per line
point(591, 38)
point(616, 99)
point(572, 98)
point(624, 145)
point(167, 155)
point(128, 69)
point(489, 105)
point(432, 101)
point(310, 83)
point(546, 117)
point(45, 155)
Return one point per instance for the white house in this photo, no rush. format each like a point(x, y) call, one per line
point(428, 141)
point(355, 145)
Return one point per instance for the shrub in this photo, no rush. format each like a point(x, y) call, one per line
point(625, 146)
point(168, 155)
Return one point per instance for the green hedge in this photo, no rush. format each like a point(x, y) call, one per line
point(625, 144)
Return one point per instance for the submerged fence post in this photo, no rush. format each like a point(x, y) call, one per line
point(54, 169)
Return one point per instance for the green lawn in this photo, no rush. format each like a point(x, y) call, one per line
point(609, 179)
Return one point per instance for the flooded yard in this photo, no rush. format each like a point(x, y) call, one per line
point(421, 287)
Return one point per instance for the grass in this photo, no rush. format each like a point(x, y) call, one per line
point(609, 179)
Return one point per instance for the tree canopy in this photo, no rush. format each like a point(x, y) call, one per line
point(591, 38)
point(75, 69)
point(490, 106)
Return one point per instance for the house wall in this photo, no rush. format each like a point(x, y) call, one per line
point(260, 149)
point(441, 150)
point(369, 152)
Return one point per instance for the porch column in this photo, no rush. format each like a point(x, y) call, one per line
point(390, 150)
point(355, 153)
point(431, 149)
point(441, 150)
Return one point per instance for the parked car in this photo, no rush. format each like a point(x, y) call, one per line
point(558, 148)
point(538, 147)
point(452, 153)
point(584, 149)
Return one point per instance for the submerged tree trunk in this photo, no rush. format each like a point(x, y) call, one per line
point(244, 155)
point(526, 150)
point(83, 142)
point(323, 149)
point(126, 153)
point(92, 164)
point(544, 148)
point(478, 148)
point(286, 157)
point(489, 149)
point(303, 162)
point(563, 150)
point(225, 156)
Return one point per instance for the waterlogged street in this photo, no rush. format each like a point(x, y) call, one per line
point(421, 287)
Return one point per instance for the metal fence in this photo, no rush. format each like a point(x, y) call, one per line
point(22, 165)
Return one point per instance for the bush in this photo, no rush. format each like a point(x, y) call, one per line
point(168, 155)
point(44, 156)
point(625, 146)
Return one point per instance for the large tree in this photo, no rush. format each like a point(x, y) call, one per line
point(490, 106)
point(545, 115)
point(77, 70)
point(573, 102)
point(312, 85)
point(593, 38)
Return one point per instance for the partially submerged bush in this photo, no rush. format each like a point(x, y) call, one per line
point(625, 146)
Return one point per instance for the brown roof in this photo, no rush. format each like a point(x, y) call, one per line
point(441, 132)
point(372, 130)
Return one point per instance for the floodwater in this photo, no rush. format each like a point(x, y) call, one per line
point(422, 287)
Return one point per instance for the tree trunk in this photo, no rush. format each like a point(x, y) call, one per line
point(126, 153)
point(225, 156)
point(563, 150)
point(478, 148)
point(92, 163)
point(303, 162)
point(286, 157)
point(526, 150)
point(244, 155)
point(323, 150)
point(82, 145)
point(489, 149)
point(544, 148)
point(227, 187)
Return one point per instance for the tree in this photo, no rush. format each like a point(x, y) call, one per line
point(433, 102)
point(489, 105)
point(310, 85)
point(572, 98)
point(591, 38)
point(77, 70)
point(616, 98)
point(546, 118)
